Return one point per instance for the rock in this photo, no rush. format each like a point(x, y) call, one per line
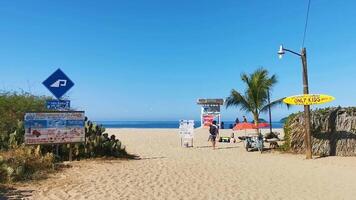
point(333, 132)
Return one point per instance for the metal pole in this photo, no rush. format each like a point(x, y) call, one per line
point(307, 136)
point(202, 117)
point(269, 113)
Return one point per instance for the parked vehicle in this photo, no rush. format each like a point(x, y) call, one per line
point(253, 142)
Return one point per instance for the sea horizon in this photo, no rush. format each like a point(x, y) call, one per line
point(173, 124)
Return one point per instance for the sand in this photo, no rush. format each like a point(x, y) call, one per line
point(168, 171)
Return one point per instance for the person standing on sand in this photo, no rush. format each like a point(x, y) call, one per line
point(214, 132)
point(237, 120)
point(245, 120)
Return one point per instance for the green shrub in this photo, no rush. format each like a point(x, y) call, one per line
point(99, 144)
point(24, 163)
point(13, 107)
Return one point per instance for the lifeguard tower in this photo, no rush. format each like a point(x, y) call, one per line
point(210, 111)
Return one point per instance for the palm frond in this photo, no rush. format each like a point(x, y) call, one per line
point(255, 98)
point(278, 102)
point(236, 99)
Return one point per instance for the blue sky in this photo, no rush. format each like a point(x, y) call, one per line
point(151, 60)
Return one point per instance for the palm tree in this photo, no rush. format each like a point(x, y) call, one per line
point(255, 97)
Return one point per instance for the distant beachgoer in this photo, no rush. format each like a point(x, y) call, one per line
point(232, 138)
point(222, 125)
point(245, 120)
point(214, 132)
point(237, 120)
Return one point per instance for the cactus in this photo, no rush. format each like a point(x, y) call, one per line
point(98, 143)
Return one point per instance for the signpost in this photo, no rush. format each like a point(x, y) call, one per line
point(58, 83)
point(57, 127)
point(186, 131)
point(308, 99)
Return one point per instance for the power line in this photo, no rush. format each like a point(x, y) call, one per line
point(306, 24)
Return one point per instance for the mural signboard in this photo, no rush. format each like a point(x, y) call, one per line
point(208, 120)
point(54, 128)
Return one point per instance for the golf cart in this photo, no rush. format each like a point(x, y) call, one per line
point(253, 142)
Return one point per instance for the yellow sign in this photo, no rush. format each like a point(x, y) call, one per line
point(308, 99)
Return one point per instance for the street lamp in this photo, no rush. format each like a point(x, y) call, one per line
point(307, 135)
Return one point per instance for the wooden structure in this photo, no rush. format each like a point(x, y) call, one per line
point(210, 110)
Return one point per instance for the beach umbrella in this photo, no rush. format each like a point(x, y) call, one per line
point(244, 126)
point(263, 125)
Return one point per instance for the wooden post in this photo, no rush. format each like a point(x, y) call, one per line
point(307, 123)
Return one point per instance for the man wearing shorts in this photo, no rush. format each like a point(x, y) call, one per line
point(214, 132)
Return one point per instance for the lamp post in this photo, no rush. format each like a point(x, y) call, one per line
point(269, 111)
point(307, 124)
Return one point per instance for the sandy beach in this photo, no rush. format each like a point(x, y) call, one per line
point(168, 171)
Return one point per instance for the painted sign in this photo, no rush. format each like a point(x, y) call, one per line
point(58, 83)
point(208, 120)
point(186, 128)
point(308, 99)
point(54, 128)
point(59, 105)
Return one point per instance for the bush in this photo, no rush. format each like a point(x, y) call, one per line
point(99, 144)
point(13, 107)
point(24, 163)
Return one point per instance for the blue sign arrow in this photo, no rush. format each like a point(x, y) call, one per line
point(58, 83)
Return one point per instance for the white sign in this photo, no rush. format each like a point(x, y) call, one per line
point(59, 83)
point(186, 128)
point(54, 128)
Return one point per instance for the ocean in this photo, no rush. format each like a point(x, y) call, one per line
point(161, 124)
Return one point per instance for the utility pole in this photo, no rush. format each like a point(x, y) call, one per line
point(307, 125)
point(307, 122)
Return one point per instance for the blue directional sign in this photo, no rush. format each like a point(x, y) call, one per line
point(59, 105)
point(58, 83)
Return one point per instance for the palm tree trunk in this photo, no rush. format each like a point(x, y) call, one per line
point(256, 123)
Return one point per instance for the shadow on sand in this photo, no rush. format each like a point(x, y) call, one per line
point(227, 147)
point(199, 147)
point(10, 193)
point(152, 158)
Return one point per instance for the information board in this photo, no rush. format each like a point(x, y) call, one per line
point(54, 128)
point(186, 128)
